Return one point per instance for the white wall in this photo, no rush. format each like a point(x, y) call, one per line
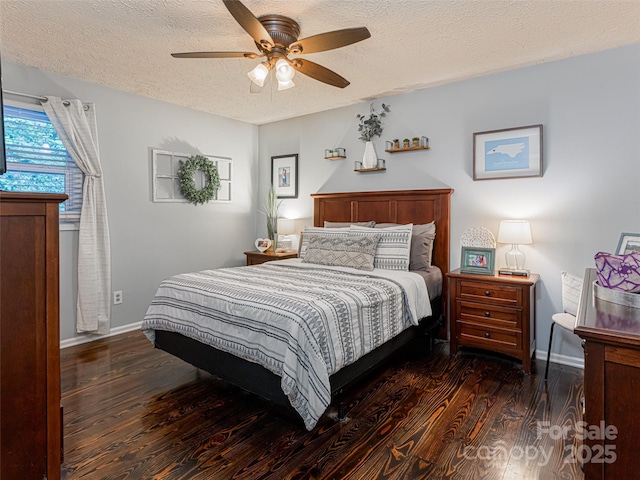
point(589, 194)
point(150, 241)
point(590, 191)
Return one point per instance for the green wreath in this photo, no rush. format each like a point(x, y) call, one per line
point(188, 184)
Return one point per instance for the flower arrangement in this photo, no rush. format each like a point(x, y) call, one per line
point(371, 126)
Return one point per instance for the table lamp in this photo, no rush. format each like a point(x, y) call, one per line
point(284, 228)
point(515, 232)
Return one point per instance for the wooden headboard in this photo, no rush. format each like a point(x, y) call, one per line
point(401, 206)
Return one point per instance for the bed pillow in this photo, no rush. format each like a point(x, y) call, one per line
point(355, 251)
point(309, 232)
point(422, 246)
point(422, 239)
point(369, 224)
point(394, 247)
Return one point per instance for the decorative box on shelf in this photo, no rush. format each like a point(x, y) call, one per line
point(407, 145)
point(335, 153)
point(379, 167)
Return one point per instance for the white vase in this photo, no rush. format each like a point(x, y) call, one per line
point(369, 159)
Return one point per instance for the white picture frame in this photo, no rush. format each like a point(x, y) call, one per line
point(284, 175)
point(508, 153)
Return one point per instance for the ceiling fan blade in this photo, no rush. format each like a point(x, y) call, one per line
point(318, 72)
point(215, 55)
point(249, 22)
point(331, 40)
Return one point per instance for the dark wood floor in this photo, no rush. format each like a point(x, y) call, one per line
point(132, 412)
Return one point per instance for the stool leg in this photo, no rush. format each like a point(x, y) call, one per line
point(546, 371)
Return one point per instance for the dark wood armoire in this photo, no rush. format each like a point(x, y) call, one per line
point(30, 410)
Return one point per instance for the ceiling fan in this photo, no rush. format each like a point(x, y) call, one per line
point(276, 37)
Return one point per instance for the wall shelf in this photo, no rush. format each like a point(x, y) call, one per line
point(337, 153)
point(381, 165)
point(421, 143)
point(408, 149)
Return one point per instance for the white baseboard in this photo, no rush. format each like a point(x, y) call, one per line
point(561, 359)
point(88, 337)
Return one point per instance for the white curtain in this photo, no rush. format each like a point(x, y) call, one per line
point(76, 126)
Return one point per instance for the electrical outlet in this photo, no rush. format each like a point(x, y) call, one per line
point(117, 297)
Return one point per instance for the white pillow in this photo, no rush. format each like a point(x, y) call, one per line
point(571, 289)
point(394, 247)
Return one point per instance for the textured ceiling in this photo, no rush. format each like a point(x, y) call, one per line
point(126, 44)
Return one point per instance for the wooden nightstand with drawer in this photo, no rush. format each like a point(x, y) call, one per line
point(256, 258)
point(493, 312)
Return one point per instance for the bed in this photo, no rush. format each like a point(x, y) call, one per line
point(391, 207)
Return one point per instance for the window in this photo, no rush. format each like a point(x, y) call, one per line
point(37, 160)
point(166, 185)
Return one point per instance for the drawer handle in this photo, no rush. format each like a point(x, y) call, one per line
point(487, 313)
point(487, 335)
point(487, 293)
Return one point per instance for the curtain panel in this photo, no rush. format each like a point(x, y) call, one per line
point(76, 127)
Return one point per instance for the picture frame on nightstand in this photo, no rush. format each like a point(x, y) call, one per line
point(479, 261)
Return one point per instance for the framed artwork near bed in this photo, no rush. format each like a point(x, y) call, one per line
point(478, 260)
point(509, 153)
point(628, 243)
point(284, 175)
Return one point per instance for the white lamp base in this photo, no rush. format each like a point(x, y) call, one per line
point(515, 258)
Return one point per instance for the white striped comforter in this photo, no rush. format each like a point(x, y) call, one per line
point(301, 321)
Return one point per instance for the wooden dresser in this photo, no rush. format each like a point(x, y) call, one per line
point(30, 411)
point(611, 385)
point(493, 312)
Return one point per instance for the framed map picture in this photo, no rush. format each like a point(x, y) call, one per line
point(284, 175)
point(509, 153)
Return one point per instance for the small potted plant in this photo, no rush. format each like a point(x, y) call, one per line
point(271, 208)
point(396, 143)
point(405, 143)
point(416, 141)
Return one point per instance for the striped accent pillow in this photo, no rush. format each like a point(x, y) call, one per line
point(571, 290)
point(394, 247)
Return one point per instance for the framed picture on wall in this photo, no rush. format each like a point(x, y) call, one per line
point(284, 175)
point(478, 260)
point(508, 153)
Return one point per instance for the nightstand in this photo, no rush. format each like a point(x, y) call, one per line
point(493, 312)
point(256, 257)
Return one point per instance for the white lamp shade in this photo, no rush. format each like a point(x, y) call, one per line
point(259, 74)
point(285, 85)
point(285, 226)
point(284, 72)
point(517, 232)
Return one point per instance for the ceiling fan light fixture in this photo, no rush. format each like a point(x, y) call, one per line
point(259, 74)
point(285, 85)
point(284, 72)
point(276, 36)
